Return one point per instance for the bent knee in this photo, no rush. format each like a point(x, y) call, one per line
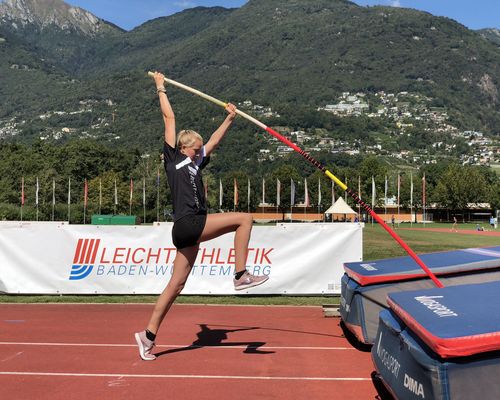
point(247, 219)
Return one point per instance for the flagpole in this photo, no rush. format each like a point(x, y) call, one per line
point(319, 199)
point(373, 195)
point(220, 195)
point(100, 195)
point(399, 193)
point(423, 199)
point(411, 199)
point(53, 197)
point(131, 197)
point(248, 196)
point(385, 198)
point(317, 164)
point(278, 195)
point(144, 197)
point(85, 191)
point(235, 194)
point(359, 193)
point(36, 197)
point(69, 200)
point(22, 197)
point(116, 199)
point(158, 194)
point(263, 192)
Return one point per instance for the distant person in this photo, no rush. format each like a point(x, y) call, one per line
point(455, 222)
point(479, 228)
point(492, 222)
point(185, 156)
point(393, 221)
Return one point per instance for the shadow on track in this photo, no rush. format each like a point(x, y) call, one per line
point(215, 338)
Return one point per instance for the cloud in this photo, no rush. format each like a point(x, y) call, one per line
point(395, 3)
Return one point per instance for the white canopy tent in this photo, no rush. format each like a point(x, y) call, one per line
point(340, 209)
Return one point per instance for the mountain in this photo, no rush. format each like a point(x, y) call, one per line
point(307, 52)
point(492, 34)
point(53, 30)
point(292, 55)
point(45, 14)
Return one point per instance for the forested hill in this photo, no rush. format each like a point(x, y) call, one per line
point(287, 54)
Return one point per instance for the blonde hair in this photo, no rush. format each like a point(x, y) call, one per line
point(187, 138)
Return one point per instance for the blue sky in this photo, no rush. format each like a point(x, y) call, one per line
point(475, 14)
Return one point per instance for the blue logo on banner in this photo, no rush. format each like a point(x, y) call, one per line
point(80, 271)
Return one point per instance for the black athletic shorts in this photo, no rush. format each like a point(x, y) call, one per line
point(187, 230)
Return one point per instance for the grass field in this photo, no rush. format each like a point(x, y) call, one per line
point(376, 244)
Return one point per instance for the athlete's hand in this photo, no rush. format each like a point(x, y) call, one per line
point(159, 79)
point(231, 110)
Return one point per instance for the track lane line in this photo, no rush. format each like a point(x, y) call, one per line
point(166, 376)
point(172, 346)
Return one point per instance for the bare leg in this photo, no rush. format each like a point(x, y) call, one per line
point(240, 223)
point(183, 263)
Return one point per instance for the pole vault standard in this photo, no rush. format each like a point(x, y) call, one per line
point(318, 165)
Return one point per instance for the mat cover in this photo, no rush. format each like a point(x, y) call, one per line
point(411, 370)
point(440, 263)
point(360, 304)
point(453, 321)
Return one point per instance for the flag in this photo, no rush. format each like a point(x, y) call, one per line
point(345, 193)
point(235, 192)
point(306, 194)
point(158, 193)
point(100, 194)
point(22, 191)
point(319, 192)
point(263, 191)
point(131, 191)
point(411, 190)
point(292, 192)
point(333, 193)
point(220, 194)
point(85, 193)
point(423, 190)
point(399, 187)
point(53, 192)
point(248, 193)
point(143, 191)
point(373, 192)
point(278, 192)
point(36, 192)
point(116, 194)
point(359, 195)
point(385, 191)
point(69, 191)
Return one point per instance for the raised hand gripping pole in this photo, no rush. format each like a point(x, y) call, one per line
point(318, 165)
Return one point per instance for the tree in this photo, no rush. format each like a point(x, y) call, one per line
point(459, 186)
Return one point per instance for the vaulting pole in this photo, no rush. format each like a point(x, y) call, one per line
point(318, 165)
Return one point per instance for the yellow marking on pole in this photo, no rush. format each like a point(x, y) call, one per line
point(336, 180)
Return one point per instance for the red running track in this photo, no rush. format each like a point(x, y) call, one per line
point(83, 351)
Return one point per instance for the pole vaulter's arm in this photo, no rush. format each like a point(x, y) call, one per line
point(318, 165)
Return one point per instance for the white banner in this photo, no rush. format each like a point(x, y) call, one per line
point(57, 258)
